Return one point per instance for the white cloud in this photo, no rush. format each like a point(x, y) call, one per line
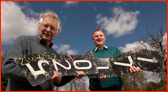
point(122, 23)
point(152, 77)
point(98, 16)
point(94, 8)
point(118, 2)
point(72, 52)
point(68, 3)
point(165, 41)
point(65, 48)
point(132, 46)
point(15, 23)
point(26, 5)
point(29, 11)
point(54, 46)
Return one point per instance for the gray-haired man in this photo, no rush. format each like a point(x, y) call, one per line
point(49, 27)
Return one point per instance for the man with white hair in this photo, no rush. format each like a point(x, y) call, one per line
point(49, 27)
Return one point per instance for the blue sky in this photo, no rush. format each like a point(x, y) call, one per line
point(123, 22)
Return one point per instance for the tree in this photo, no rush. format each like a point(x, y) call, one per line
point(156, 41)
point(136, 81)
point(57, 88)
point(75, 84)
point(78, 85)
point(149, 87)
point(133, 82)
point(4, 80)
point(161, 86)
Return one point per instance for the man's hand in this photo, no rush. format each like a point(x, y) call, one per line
point(56, 77)
point(135, 69)
point(103, 78)
point(80, 74)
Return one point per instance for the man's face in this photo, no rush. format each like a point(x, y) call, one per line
point(99, 38)
point(48, 29)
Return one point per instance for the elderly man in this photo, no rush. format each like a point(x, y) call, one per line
point(49, 27)
point(101, 51)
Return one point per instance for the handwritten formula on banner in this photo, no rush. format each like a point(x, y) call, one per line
point(39, 67)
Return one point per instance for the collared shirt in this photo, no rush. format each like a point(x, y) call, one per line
point(103, 48)
point(38, 37)
point(112, 83)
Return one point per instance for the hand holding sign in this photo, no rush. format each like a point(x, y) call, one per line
point(56, 77)
point(80, 74)
point(103, 78)
point(39, 67)
point(135, 69)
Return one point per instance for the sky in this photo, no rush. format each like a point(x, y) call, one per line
point(124, 22)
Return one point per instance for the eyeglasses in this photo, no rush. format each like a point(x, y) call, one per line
point(53, 29)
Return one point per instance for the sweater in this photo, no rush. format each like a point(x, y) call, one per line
point(26, 45)
point(112, 83)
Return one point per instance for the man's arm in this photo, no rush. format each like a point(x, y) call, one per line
point(10, 69)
